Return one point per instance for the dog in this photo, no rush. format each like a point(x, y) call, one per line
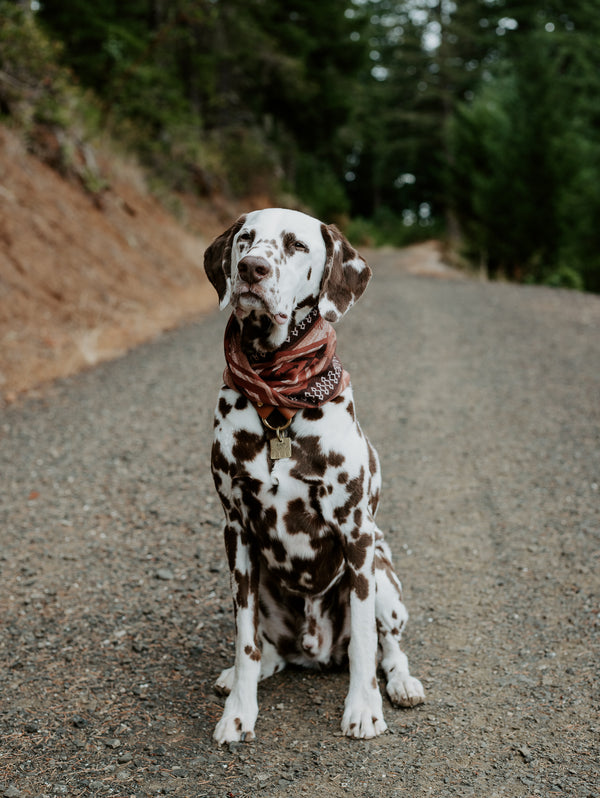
point(311, 574)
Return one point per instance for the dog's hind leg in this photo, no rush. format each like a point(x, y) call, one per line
point(391, 615)
point(271, 662)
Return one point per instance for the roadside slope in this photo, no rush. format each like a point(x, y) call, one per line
point(84, 277)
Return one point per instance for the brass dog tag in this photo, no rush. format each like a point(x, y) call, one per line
point(281, 446)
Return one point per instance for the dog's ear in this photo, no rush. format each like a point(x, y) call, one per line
point(345, 277)
point(217, 262)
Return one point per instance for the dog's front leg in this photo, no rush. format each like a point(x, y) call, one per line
point(241, 706)
point(363, 709)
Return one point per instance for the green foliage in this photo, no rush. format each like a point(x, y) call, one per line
point(525, 164)
point(401, 116)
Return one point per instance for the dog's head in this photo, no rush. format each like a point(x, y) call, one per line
point(273, 266)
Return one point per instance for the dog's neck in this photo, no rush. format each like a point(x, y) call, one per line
point(260, 335)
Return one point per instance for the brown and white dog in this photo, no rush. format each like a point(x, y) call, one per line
point(311, 574)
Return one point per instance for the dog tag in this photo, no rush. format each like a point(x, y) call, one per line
point(281, 446)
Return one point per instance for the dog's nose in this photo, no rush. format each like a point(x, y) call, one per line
point(253, 269)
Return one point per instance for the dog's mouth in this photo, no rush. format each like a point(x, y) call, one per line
point(248, 300)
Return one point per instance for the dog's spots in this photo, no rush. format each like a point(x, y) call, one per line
point(360, 585)
point(253, 653)
point(219, 462)
point(312, 413)
point(335, 459)
point(230, 546)
point(224, 407)
point(374, 502)
point(356, 550)
point(309, 457)
point(343, 477)
point(241, 403)
point(289, 242)
point(243, 587)
point(247, 445)
point(350, 410)
point(354, 489)
point(299, 518)
point(270, 518)
point(372, 461)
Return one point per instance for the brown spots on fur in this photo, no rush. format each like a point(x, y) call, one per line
point(310, 458)
point(354, 489)
point(299, 518)
point(374, 502)
point(241, 403)
point(253, 653)
point(356, 551)
point(219, 461)
point(360, 585)
point(343, 477)
point(230, 546)
point(350, 410)
point(372, 461)
point(224, 407)
point(243, 587)
point(247, 445)
point(312, 413)
point(335, 459)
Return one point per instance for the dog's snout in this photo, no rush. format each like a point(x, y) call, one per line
point(253, 269)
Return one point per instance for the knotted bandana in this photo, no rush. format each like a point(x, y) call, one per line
point(304, 372)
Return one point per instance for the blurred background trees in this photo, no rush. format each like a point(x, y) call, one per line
point(475, 120)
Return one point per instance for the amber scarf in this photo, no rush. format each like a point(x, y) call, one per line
point(304, 372)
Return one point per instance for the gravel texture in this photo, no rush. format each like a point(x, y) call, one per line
point(484, 403)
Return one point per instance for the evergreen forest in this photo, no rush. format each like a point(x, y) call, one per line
point(475, 121)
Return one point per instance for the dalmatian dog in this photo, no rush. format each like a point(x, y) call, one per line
point(311, 574)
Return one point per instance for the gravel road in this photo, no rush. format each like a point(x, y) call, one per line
point(484, 403)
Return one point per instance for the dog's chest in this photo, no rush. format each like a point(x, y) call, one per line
point(293, 506)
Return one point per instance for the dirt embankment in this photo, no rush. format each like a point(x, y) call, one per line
point(83, 276)
point(86, 276)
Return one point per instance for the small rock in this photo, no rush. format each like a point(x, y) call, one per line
point(124, 757)
point(32, 727)
point(113, 743)
point(78, 721)
point(525, 753)
point(165, 574)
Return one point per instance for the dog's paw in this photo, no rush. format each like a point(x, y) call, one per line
point(224, 683)
point(233, 729)
point(405, 691)
point(238, 719)
point(363, 716)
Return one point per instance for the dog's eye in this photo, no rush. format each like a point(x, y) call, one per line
point(300, 246)
point(244, 236)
